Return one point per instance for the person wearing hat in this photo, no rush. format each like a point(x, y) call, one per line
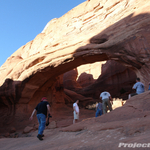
point(41, 109)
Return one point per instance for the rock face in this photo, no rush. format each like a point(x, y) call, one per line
point(96, 30)
point(128, 124)
point(114, 77)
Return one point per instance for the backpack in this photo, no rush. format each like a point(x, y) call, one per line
point(99, 106)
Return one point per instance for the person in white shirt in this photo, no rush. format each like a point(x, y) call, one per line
point(76, 111)
point(106, 97)
point(139, 87)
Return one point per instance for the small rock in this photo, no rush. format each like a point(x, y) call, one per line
point(28, 129)
point(16, 135)
point(12, 130)
point(52, 125)
point(7, 134)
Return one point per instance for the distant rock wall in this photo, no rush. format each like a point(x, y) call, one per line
point(114, 77)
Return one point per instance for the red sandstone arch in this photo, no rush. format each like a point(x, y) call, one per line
point(77, 38)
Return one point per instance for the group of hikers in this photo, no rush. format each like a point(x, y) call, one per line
point(101, 108)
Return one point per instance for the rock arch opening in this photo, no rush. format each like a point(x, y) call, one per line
point(113, 77)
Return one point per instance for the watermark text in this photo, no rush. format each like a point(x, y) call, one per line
point(134, 145)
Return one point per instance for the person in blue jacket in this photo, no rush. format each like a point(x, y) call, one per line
point(99, 109)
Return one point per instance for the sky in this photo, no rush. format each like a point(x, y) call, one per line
point(22, 20)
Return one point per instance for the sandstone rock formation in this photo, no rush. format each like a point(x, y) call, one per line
point(93, 31)
point(128, 124)
point(115, 78)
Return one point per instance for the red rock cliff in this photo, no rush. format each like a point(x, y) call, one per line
point(96, 30)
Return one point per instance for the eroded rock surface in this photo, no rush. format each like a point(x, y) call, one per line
point(93, 31)
point(128, 124)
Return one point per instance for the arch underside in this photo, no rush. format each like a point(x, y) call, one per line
point(36, 69)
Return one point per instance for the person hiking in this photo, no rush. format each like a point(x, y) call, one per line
point(106, 97)
point(99, 109)
point(139, 87)
point(41, 109)
point(76, 111)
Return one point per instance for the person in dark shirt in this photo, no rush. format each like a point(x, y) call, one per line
point(41, 109)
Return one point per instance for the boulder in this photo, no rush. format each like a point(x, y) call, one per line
point(28, 129)
point(52, 125)
point(12, 130)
